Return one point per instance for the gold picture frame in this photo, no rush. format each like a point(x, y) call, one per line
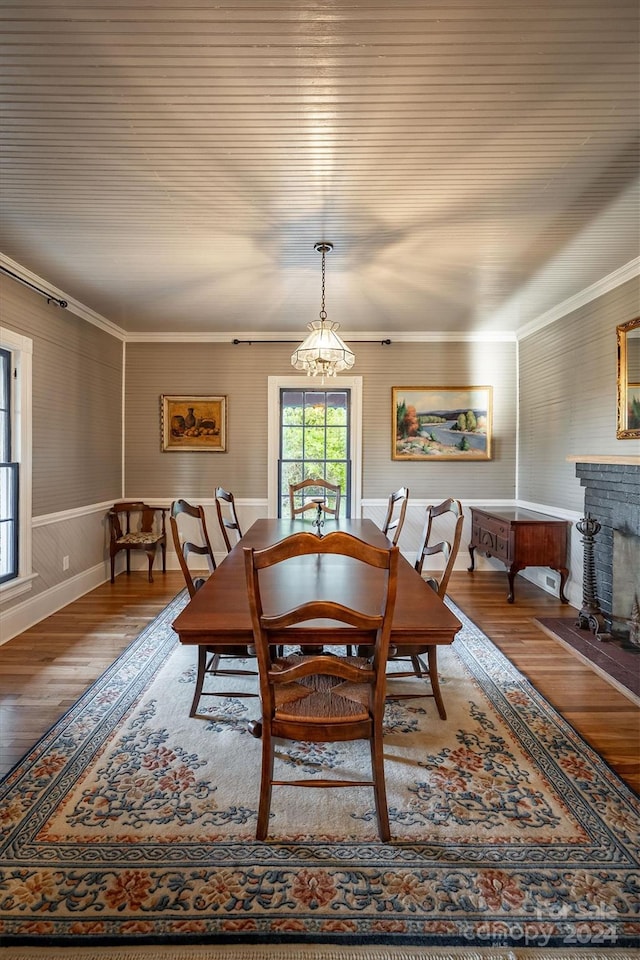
point(628, 421)
point(441, 423)
point(196, 424)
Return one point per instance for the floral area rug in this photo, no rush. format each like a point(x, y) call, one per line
point(130, 822)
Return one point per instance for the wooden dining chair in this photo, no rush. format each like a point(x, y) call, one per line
point(447, 550)
point(209, 658)
point(321, 698)
point(134, 525)
point(300, 503)
point(227, 517)
point(396, 510)
point(184, 547)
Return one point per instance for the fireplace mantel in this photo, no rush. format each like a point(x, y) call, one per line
point(597, 458)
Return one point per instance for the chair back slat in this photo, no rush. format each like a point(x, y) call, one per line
point(320, 488)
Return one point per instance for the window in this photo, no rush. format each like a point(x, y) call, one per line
point(9, 474)
point(15, 464)
point(314, 441)
point(351, 463)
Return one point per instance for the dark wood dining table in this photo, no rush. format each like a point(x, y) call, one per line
point(219, 611)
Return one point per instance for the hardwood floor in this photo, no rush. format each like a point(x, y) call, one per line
point(607, 719)
point(44, 670)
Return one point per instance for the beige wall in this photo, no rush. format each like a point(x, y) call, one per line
point(568, 377)
point(77, 435)
point(241, 372)
point(77, 401)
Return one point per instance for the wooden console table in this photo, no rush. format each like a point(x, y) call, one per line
point(520, 538)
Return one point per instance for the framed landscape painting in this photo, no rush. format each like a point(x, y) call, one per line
point(441, 423)
point(197, 424)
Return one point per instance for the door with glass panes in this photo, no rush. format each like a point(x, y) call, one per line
point(314, 441)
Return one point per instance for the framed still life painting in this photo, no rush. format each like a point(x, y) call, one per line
point(198, 424)
point(441, 423)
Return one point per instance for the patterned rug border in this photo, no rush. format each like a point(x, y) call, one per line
point(305, 952)
point(496, 673)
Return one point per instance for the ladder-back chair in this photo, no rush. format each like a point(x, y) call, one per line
point(447, 550)
point(227, 517)
point(320, 698)
point(299, 503)
point(396, 510)
point(209, 657)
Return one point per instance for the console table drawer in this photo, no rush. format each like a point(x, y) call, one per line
point(491, 536)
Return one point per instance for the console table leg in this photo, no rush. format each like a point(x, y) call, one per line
point(473, 562)
point(564, 573)
point(511, 574)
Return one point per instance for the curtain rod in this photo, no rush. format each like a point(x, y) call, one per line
point(43, 293)
point(383, 343)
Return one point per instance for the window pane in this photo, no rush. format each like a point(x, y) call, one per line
point(313, 469)
point(8, 491)
point(8, 564)
point(5, 379)
point(314, 440)
point(5, 412)
point(8, 521)
point(337, 408)
point(336, 443)
point(292, 403)
point(292, 443)
point(5, 436)
point(314, 415)
point(337, 473)
point(291, 473)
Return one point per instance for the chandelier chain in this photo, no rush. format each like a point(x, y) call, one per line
point(323, 312)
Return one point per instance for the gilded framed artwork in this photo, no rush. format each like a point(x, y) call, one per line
point(628, 426)
point(441, 423)
point(197, 424)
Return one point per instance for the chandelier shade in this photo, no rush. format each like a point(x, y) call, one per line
point(323, 353)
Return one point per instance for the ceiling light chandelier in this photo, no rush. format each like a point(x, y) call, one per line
point(323, 353)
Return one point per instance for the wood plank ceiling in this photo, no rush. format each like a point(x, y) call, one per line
point(171, 165)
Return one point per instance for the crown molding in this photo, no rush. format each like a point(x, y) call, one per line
point(73, 306)
point(592, 292)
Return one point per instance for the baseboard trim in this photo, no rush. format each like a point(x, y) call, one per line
point(24, 615)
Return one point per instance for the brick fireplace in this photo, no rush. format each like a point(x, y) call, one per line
point(612, 497)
